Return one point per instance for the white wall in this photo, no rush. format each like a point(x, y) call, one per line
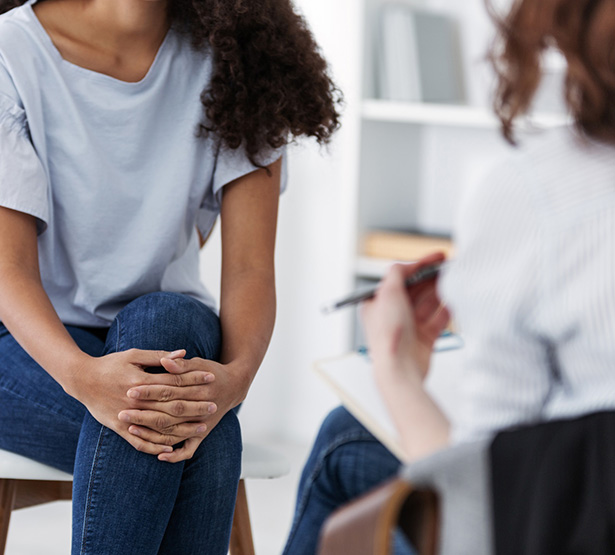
point(315, 249)
point(317, 227)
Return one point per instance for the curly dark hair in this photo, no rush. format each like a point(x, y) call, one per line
point(270, 82)
point(584, 32)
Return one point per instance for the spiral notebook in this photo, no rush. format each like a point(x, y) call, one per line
point(351, 377)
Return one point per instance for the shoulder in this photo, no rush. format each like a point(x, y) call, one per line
point(556, 172)
point(18, 45)
point(499, 199)
point(570, 175)
point(16, 27)
point(197, 63)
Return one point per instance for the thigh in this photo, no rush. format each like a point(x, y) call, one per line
point(37, 418)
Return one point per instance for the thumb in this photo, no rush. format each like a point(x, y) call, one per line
point(173, 365)
point(153, 358)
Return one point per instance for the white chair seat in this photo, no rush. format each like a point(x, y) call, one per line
point(16, 467)
point(256, 462)
point(262, 462)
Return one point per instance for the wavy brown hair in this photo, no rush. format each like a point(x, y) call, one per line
point(270, 82)
point(584, 32)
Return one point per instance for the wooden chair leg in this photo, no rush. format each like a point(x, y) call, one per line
point(36, 492)
point(7, 500)
point(241, 533)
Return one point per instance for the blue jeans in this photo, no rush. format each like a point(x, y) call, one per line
point(346, 461)
point(125, 501)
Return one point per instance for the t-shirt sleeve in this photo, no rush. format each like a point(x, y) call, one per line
point(231, 165)
point(23, 182)
point(494, 289)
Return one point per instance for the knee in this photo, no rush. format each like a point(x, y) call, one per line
point(347, 459)
point(338, 426)
point(338, 430)
point(168, 321)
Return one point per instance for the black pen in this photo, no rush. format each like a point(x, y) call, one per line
point(424, 274)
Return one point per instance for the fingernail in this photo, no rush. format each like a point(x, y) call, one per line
point(201, 429)
point(134, 431)
point(133, 394)
point(124, 417)
point(168, 449)
point(163, 458)
point(212, 408)
point(208, 378)
point(179, 352)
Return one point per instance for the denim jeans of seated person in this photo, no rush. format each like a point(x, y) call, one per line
point(124, 501)
point(346, 461)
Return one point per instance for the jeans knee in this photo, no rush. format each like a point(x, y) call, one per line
point(338, 423)
point(168, 321)
point(340, 441)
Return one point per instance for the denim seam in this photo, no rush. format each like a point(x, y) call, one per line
point(90, 493)
point(117, 340)
point(341, 440)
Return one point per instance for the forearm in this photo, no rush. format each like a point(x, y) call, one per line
point(247, 316)
point(421, 424)
point(27, 312)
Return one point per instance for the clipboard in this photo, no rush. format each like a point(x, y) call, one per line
point(351, 377)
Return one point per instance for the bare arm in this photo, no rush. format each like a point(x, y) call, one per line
point(248, 300)
point(247, 314)
point(26, 311)
point(25, 308)
point(402, 327)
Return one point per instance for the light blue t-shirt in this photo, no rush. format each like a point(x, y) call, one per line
point(113, 171)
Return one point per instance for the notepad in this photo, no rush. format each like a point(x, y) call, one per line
point(351, 377)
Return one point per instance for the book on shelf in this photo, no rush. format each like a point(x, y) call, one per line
point(404, 246)
point(399, 74)
point(418, 56)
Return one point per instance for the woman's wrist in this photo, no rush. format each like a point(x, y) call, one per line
point(73, 373)
point(241, 373)
point(398, 372)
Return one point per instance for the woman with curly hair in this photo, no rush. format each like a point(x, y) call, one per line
point(532, 285)
point(126, 128)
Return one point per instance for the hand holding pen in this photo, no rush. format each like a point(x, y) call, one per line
point(423, 271)
point(402, 322)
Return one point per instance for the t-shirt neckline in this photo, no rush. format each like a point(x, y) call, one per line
point(103, 77)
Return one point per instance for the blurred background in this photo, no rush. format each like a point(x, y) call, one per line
point(387, 187)
point(417, 132)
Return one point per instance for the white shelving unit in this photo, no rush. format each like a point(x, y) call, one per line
point(446, 115)
point(417, 159)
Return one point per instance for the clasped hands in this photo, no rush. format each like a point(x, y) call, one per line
point(403, 324)
point(169, 414)
point(157, 412)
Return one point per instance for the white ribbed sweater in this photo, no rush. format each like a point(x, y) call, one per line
point(533, 287)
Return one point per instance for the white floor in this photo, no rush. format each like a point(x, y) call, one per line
point(45, 530)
